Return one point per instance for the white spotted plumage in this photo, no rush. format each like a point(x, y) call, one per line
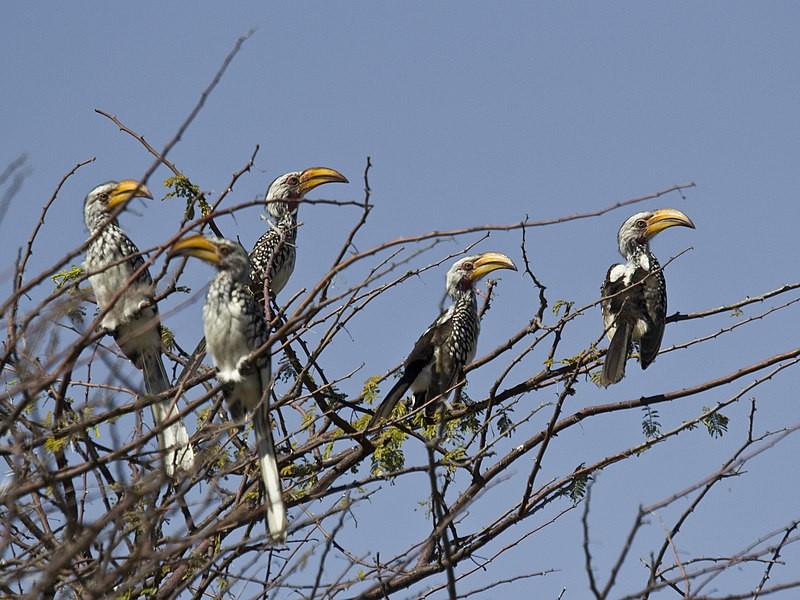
point(131, 315)
point(235, 328)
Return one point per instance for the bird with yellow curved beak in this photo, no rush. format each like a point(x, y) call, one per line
point(634, 301)
point(274, 254)
point(235, 328)
point(437, 361)
point(132, 316)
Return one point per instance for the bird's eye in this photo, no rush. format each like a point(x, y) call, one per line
point(103, 197)
point(641, 224)
point(224, 250)
point(293, 180)
point(468, 266)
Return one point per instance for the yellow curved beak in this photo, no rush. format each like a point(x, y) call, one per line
point(491, 261)
point(316, 176)
point(664, 218)
point(127, 189)
point(198, 246)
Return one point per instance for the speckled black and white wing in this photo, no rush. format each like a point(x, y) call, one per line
point(654, 291)
point(618, 319)
point(417, 368)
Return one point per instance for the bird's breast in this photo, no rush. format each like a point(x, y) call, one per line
point(109, 276)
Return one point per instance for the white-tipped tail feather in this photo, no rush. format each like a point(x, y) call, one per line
point(276, 511)
point(173, 439)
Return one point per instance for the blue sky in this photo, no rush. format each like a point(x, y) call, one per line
point(472, 114)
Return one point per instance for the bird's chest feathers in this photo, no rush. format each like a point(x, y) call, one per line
point(630, 272)
point(107, 281)
point(636, 299)
point(229, 331)
point(459, 343)
point(463, 337)
point(642, 260)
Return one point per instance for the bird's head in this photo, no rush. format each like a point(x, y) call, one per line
point(287, 190)
point(467, 271)
point(107, 196)
point(639, 229)
point(224, 254)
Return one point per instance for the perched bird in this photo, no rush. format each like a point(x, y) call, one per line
point(634, 294)
point(273, 255)
point(235, 327)
point(111, 261)
point(449, 344)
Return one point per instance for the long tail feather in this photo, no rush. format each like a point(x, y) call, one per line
point(384, 410)
point(276, 511)
point(173, 440)
point(617, 355)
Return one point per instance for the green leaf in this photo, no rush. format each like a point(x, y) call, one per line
point(64, 277)
point(716, 423)
point(370, 389)
point(651, 427)
point(505, 424)
point(183, 188)
point(167, 338)
point(388, 455)
point(565, 304)
point(576, 489)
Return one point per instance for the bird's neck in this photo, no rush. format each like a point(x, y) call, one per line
point(640, 256)
point(287, 219)
point(224, 283)
point(228, 279)
point(464, 299)
point(99, 219)
point(285, 222)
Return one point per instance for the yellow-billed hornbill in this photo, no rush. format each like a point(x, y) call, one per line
point(274, 254)
point(634, 294)
point(436, 363)
point(235, 328)
point(111, 260)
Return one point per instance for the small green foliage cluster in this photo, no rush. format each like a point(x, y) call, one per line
point(576, 490)
point(370, 389)
point(388, 456)
point(504, 424)
point(453, 457)
point(651, 427)
point(183, 188)
point(716, 423)
point(286, 373)
point(566, 305)
point(596, 377)
point(305, 476)
point(76, 312)
point(56, 443)
point(167, 338)
point(309, 416)
point(64, 277)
